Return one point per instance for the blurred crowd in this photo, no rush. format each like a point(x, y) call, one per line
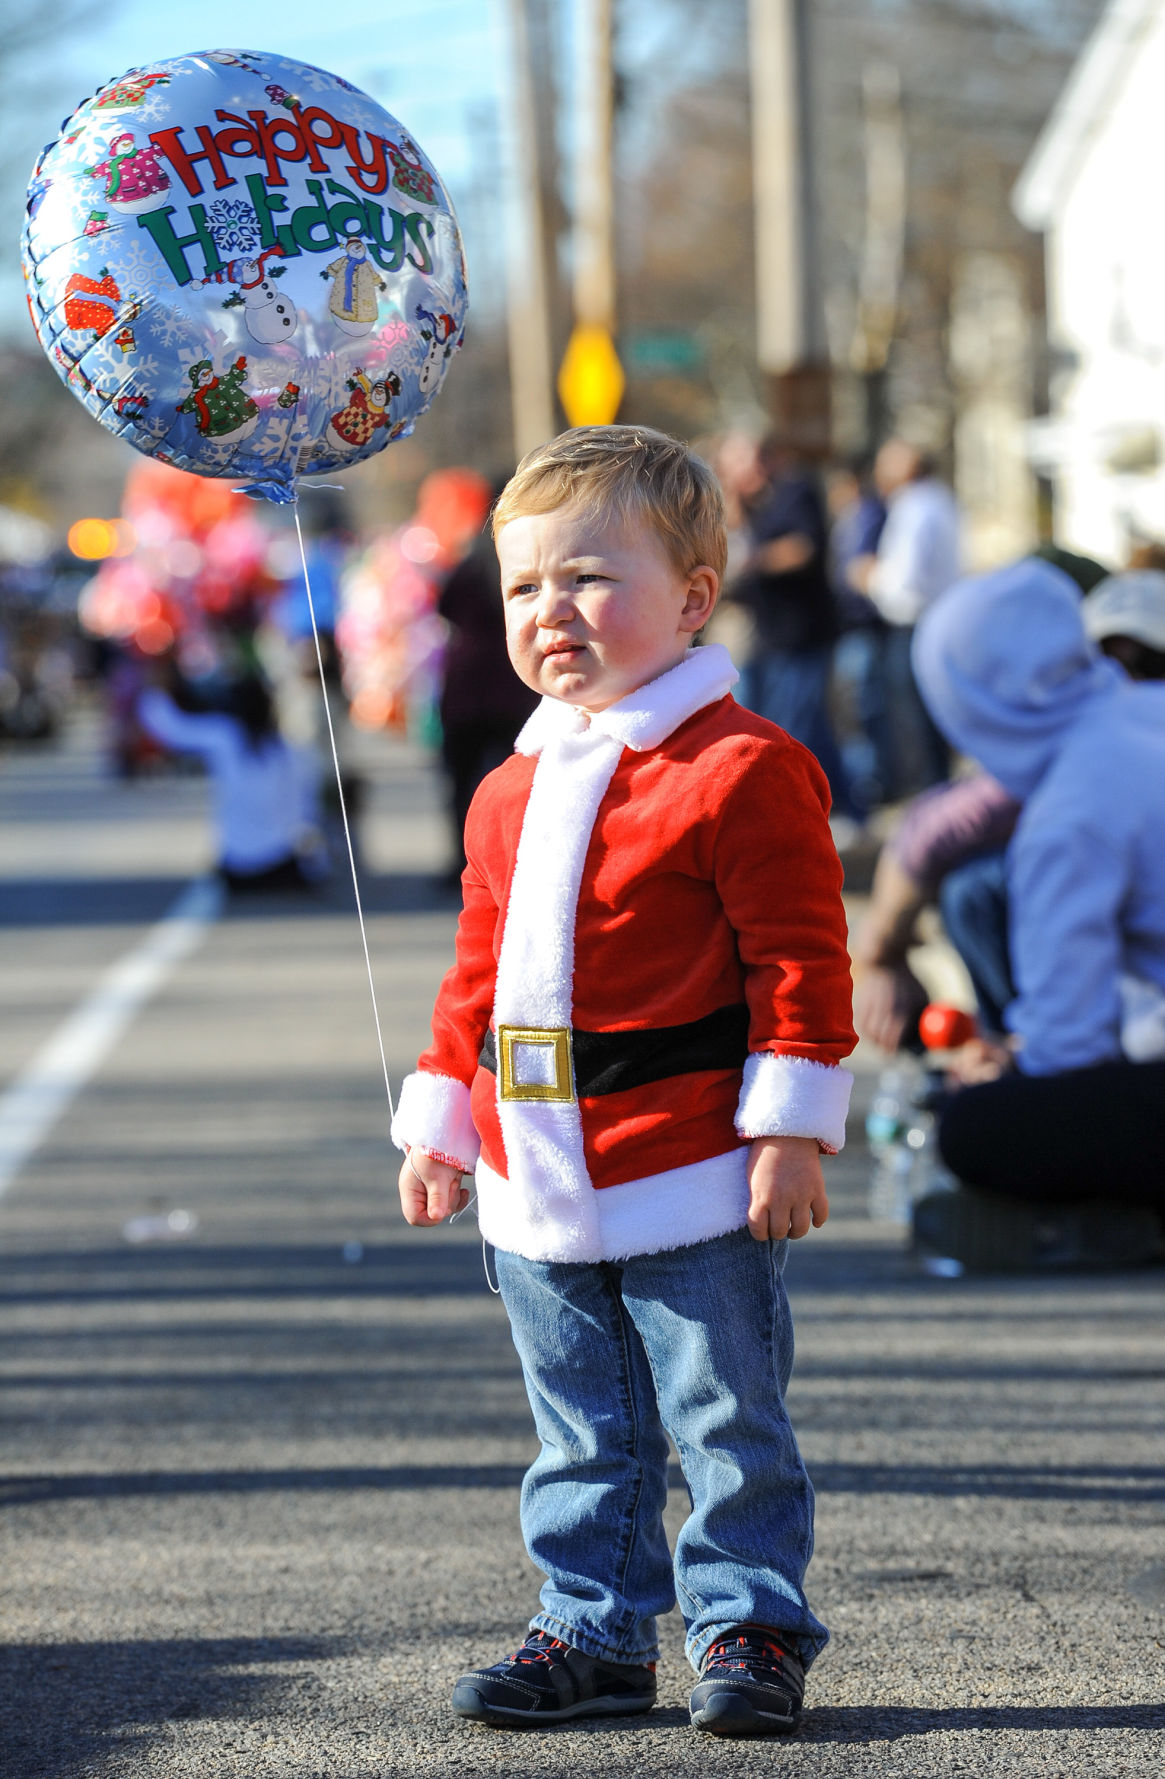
point(1003, 737)
point(1011, 726)
point(833, 574)
point(38, 629)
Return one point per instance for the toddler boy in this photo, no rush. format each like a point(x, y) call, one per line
point(640, 1039)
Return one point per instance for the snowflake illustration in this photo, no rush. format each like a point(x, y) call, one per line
point(218, 457)
point(233, 226)
point(137, 265)
point(155, 105)
point(170, 327)
point(316, 79)
point(146, 368)
point(366, 119)
point(266, 373)
point(412, 356)
point(100, 357)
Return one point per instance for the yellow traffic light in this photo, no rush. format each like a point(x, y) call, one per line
point(590, 378)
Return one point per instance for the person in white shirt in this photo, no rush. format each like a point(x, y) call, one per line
point(918, 557)
point(263, 790)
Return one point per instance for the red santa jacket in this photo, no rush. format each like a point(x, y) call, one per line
point(651, 970)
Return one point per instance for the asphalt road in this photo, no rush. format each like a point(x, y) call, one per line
point(258, 1486)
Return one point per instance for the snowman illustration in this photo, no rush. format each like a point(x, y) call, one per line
point(267, 312)
point(366, 412)
point(222, 409)
point(441, 346)
point(135, 179)
point(355, 282)
point(229, 58)
point(409, 175)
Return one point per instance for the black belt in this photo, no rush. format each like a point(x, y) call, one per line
point(613, 1062)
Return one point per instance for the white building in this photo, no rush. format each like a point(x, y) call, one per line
point(1093, 184)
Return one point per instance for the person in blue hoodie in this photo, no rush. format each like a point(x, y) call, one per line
point(1077, 1111)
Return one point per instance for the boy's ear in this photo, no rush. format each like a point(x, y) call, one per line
point(703, 590)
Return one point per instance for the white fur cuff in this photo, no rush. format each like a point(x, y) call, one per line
point(789, 1096)
point(432, 1113)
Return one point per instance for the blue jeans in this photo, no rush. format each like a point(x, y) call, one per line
point(792, 690)
point(857, 670)
point(973, 902)
point(697, 1341)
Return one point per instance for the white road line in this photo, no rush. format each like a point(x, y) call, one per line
point(78, 1047)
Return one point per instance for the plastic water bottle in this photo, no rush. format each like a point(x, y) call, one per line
point(902, 1127)
point(888, 1123)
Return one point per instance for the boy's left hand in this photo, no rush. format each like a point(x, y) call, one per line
point(787, 1188)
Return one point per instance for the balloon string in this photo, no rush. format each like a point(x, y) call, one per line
point(344, 811)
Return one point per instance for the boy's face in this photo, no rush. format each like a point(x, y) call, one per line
point(595, 608)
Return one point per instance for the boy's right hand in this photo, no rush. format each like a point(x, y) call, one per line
point(430, 1190)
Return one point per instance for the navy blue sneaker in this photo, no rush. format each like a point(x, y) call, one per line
point(750, 1685)
point(547, 1682)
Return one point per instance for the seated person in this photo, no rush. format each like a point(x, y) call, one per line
point(263, 790)
point(943, 831)
point(1070, 1108)
point(950, 846)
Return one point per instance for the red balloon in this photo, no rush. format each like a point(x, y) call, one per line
point(944, 1028)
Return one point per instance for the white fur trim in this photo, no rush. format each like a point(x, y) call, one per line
point(577, 757)
point(543, 1139)
point(549, 719)
point(668, 1210)
point(789, 1096)
point(433, 1113)
point(644, 718)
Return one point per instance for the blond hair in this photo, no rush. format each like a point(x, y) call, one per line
point(630, 472)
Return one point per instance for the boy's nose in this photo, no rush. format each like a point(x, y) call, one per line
point(553, 605)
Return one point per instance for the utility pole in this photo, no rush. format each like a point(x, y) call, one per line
point(590, 377)
point(880, 279)
point(791, 347)
point(594, 219)
point(531, 367)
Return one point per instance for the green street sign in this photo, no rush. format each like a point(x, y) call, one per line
point(661, 352)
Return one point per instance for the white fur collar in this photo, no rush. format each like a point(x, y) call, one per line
point(644, 718)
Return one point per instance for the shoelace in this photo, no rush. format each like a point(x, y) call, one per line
point(540, 1651)
point(748, 1651)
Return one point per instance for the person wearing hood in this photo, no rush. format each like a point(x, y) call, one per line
point(949, 847)
point(1009, 672)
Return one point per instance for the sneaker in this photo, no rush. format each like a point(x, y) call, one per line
point(547, 1681)
point(749, 1685)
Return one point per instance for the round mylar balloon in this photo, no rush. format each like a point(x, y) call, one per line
point(244, 266)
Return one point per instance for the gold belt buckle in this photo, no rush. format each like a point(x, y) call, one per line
point(553, 1038)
